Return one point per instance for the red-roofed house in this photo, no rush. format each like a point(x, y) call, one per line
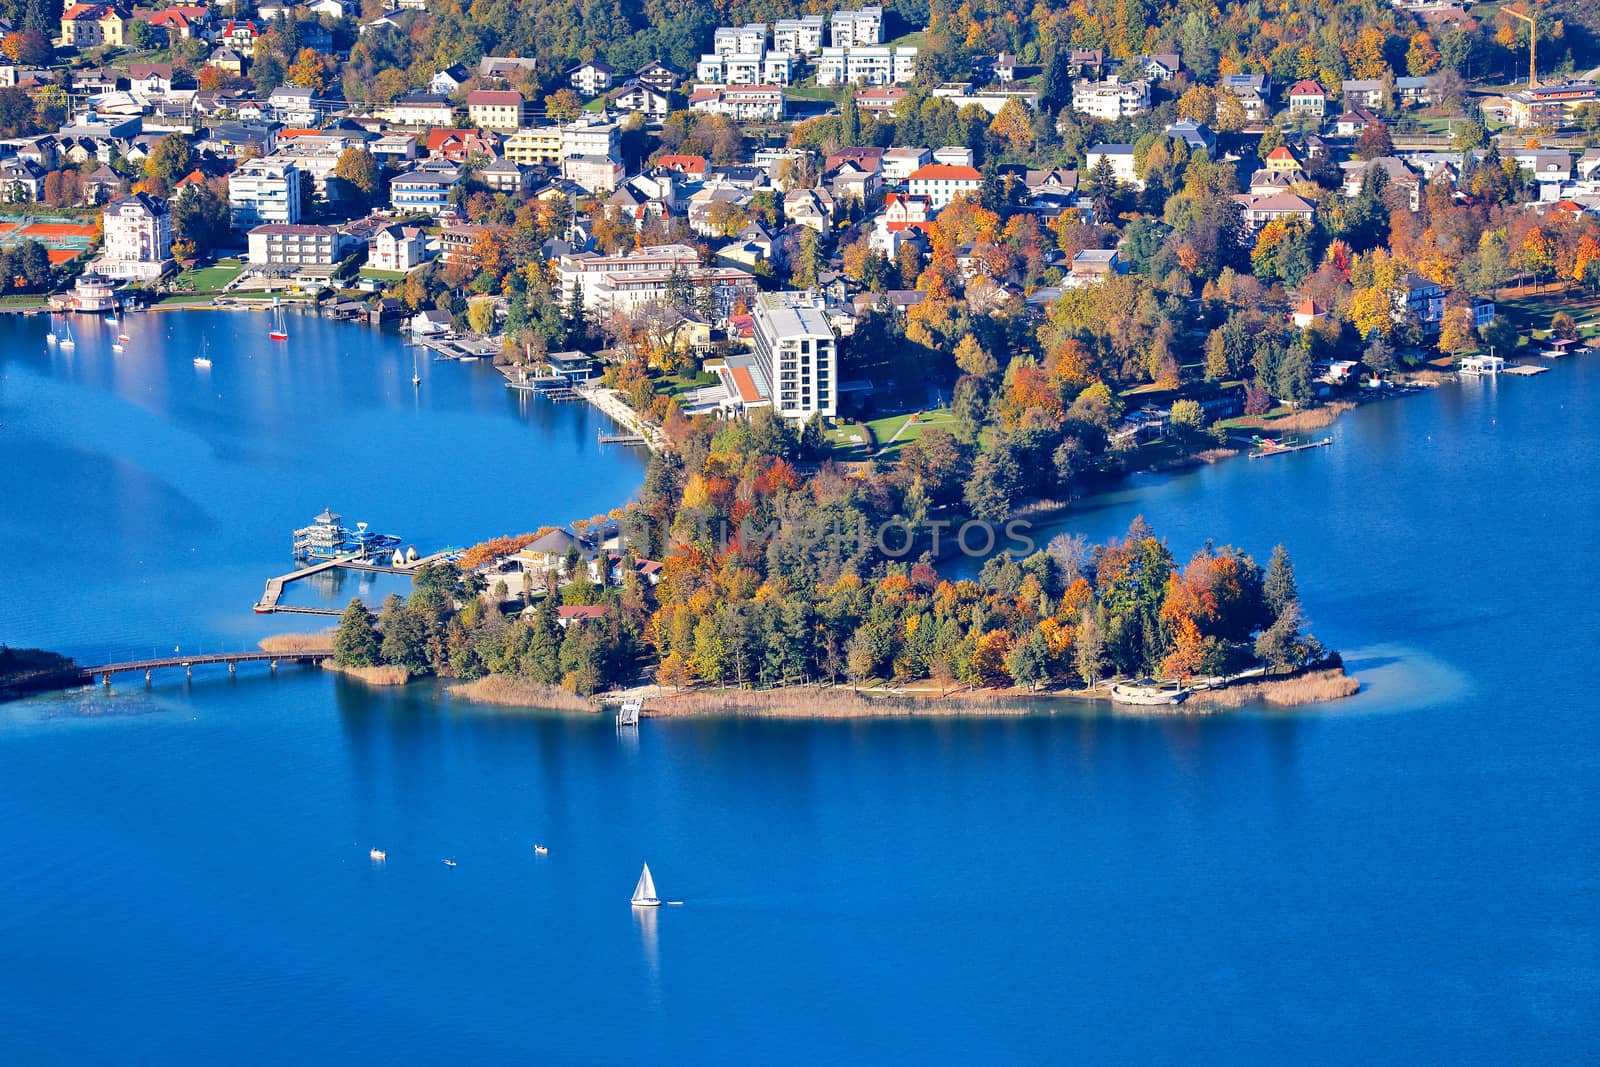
point(1282, 160)
point(180, 20)
point(567, 614)
point(941, 183)
point(239, 35)
point(1307, 312)
point(1307, 98)
point(457, 145)
point(495, 109)
point(693, 166)
point(904, 211)
point(92, 25)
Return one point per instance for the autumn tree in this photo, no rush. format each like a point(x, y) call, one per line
point(1456, 330)
point(358, 168)
point(307, 71)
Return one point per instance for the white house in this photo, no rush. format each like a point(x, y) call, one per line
point(138, 239)
point(1111, 99)
point(942, 184)
point(398, 247)
point(590, 79)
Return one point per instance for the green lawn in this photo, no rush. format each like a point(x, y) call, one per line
point(381, 275)
point(22, 300)
point(916, 39)
point(887, 427)
point(811, 92)
point(678, 384)
point(209, 279)
point(1531, 313)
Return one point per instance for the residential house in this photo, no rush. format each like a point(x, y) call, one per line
point(1196, 135)
point(418, 109)
point(1362, 92)
point(21, 181)
point(1282, 159)
point(800, 36)
point(397, 247)
point(224, 58)
point(880, 100)
point(1253, 91)
point(292, 105)
point(645, 276)
point(1551, 104)
point(904, 211)
point(504, 176)
point(749, 103)
point(458, 146)
point(1306, 312)
point(664, 78)
point(92, 25)
point(1307, 98)
point(1419, 298)
point(151, 79)
point(590, 79)
point(809, 207)
point(450, 80)
point(495, 109)
point(898, 164)
point(240, 35)
point(138, 239)
point(942, 184)
point(1111, 99)
point(596, 174)
point(1160, 67)
point(860, 65)
point(642, 99)
point(395, 149)
point(425, 188)
point(1090, 266)
point(1260, 210)
point(1353, 123)
point(506, 69)
point(1120, 158)
point(861, 27)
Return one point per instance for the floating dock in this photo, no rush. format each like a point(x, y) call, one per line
point(1267, 449)
point(1526, 370)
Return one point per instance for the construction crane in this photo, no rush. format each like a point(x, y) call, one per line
point(1533, 44)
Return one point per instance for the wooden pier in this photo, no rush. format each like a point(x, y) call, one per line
point(273, 593)
point(1275, 449)
point(622, 438)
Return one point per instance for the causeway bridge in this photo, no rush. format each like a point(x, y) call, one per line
point(104, 671)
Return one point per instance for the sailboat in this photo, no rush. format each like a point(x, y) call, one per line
point(279, 332)
point(202, 360)
point(122, 329)
point(66, 339)
point(416, 379)
point(644, 894)
point(111, 319)
point(52, 337)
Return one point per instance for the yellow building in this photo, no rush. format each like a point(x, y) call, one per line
point(92, 25)
point(535, 146)
point(495, 109)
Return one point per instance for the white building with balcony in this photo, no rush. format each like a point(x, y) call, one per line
point(138, 239)
point(264, 191)
point(1111, 99)
point(797, 353)
point(852, 28)
point(801, 36)
point(866, 65)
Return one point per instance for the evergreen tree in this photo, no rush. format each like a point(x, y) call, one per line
point(355, 642)
point(1279, 585)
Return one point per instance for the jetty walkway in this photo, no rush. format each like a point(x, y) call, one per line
point(273, 593)
point(104, 671)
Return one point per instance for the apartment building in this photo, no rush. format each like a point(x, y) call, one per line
point(264, 191)
point(866, 65)
point(495, 109)
point(138, 239)
point(277, 244)
point(797, 354)
point(1111, 99)
point(852, 28)
point(801, 36)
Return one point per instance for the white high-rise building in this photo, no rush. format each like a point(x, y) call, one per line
point(138, 238)
point(797, 354)
point(263, 190)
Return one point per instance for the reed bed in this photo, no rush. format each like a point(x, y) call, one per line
point(1313, 687)
point(1300, 421)
point(382, 675)
point(519, 693)
point(807, 703)
point(317, 642)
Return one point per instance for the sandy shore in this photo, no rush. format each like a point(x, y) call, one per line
point(843, 702)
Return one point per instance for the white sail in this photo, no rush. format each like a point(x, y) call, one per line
point(645, 891)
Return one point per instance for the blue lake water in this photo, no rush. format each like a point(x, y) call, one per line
point(184, 877)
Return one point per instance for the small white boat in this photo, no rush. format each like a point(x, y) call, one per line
point(1147, 692)
point(116, 346)
point(202, 360)
point(541, 850)
point(66, 339)
point(449, 863)
point(53, 336)
point(644, 894)
point(111, 320)
point(416, 379)
point(378, 855)
point(279, 331)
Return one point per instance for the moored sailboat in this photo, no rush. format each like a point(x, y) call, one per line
point(279, 331)
point(66, 339)
point(203, 359)
point(644, 894)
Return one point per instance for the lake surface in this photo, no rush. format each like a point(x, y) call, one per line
point(1409, 875)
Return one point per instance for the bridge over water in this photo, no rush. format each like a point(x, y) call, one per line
point(104, 671)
